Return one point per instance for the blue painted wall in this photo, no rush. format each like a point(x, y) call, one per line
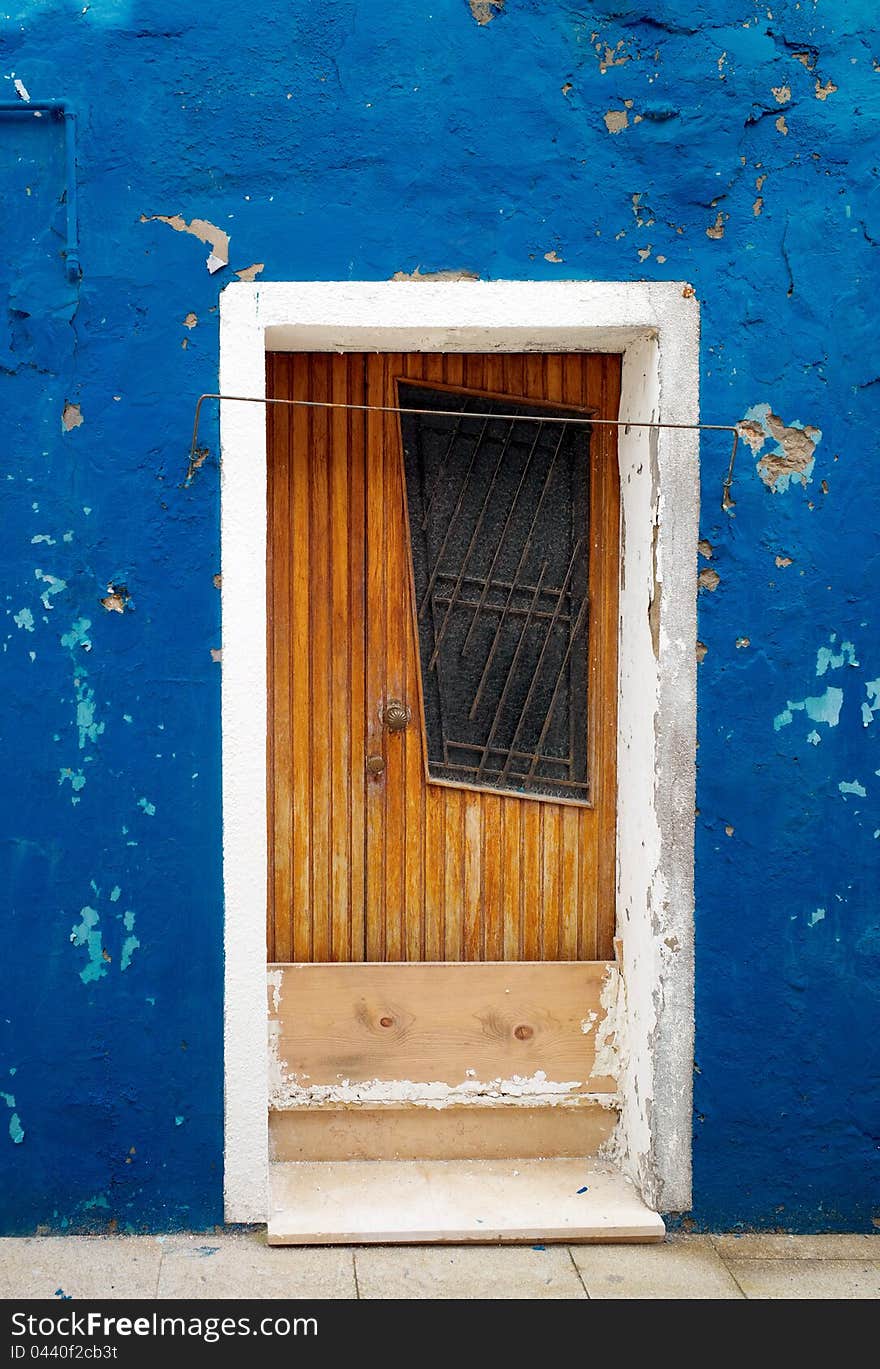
point(711, 143)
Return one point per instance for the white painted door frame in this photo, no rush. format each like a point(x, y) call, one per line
point(656, 328)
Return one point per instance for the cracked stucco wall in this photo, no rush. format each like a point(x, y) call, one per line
point(727, 145)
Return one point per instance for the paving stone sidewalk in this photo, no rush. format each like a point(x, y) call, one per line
point(241, 1265)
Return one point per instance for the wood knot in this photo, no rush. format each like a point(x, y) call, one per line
point(386, 1021)
point(523, 1033)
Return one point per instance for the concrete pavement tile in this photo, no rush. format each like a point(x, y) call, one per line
point(467, 1271)
point(780, 1278)
point(242, 1265)
point(675, 1269)
point(763, 1246)
point(81, 1266)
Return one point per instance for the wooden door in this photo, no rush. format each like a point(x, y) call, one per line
point(442, 657)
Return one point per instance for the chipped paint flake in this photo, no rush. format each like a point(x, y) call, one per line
point(53, 584)
point(289, 1092)
point(71, 417)
point(792, 453)
point(87, 933)
point(611, 1032)
point(24, 619)
point(872, 704)
point(484, 11)
point(251, 272)
point(827, 658)
point(823, 708)
point(616, 120)
point(853, 787)
point(202, 229)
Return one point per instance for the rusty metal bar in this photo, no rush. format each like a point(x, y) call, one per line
point(438, 640)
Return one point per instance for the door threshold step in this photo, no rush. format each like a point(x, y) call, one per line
point(406, 1202)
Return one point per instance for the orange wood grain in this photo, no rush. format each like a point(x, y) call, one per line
point(394, 866)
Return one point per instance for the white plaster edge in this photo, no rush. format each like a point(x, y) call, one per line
point(656, 327)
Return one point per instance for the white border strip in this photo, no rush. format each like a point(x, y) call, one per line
point(656, 328)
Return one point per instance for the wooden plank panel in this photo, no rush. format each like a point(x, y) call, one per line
point(482, 1132)
point(439, 1023)
point(393, 867)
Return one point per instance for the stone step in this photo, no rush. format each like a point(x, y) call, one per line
point(399, 1202)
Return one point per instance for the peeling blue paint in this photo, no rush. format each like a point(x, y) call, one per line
point(24, 618)
point(872, 704)
point(853, 787)
point(88, 934)
point(829, 659)
point(822, 708)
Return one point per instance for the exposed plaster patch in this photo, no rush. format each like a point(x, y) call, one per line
point(611, 57)
point(823, 91)
point(616, 120)
point(782, 126)
point(705, 548)
point(853, 787)
point(206, 232)
point(419, 274)
point(24, 619)
point(806, 59)
point(817, 916)
point(783, 561)
point(782, 94)
point(742, 642)
point(21, 90)
point(716, 229)
point(71, 417)
point(709, 579)
point(217, 654)
point(702, 651)
point(251, 272)
point(191, 320)
point(484, 11)
point(554, 257)
point(792, 456)
point(117, 599)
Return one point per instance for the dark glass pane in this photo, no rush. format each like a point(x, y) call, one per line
point(499, 526)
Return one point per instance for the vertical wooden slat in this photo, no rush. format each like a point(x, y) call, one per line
point(377, 664)
point(321, 709)
point(356, 466)
point(339, 541)
point(299, 666)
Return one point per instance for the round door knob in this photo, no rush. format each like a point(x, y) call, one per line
point(375, 765)
point(396, 715)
